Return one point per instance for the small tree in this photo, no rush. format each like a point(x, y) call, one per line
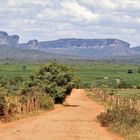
point(24, 68)
point(139, 69)
point(57, 80)
point(130, 71)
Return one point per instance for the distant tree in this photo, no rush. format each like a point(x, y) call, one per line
point(139, 69)
point(130, 71)
point(24, 68)
point(122, 84)
point(113, 61)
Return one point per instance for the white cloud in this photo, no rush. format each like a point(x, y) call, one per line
point(108, 4)
point(51, 19)
point(78, 11)
point(100, 4)
point(49, 14)
point(68, 12)
point(133, 4)
point(18, 3)
point(24, 22)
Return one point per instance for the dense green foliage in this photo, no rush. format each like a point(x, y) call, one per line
point(48, 85)
point(56, 80)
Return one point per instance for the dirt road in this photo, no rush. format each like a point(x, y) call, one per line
point(74, 122)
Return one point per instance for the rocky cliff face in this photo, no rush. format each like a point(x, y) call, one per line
point(33, 44)
point(5, 39)
point(84, 43)
point(83, 48)
point(136, 48)
point(89, 48)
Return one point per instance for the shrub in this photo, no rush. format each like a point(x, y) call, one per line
point(123, 84)
point(130, 71)
point(1, 105)
point(124, 115)
point(56, 80)
point(122, 120)
point(138, 86)
point(139, 69)
point(51, 84)
point(46, 102)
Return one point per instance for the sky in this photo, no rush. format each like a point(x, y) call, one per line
point(54, 19)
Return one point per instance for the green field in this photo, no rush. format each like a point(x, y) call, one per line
point(99, 74)
point(15, 70)
point(89, 73)
point(108, 73)
point(134, 93)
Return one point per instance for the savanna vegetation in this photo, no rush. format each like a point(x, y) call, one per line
point(91, 73)
point(51, 83)
point(42, 88)
point(121, 115)
point(124, 120)
point(112, 77)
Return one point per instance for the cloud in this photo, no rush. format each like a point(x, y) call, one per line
point(21, 3)
point(68, 12)
point(52, 19)
point(100, 4)
point(78, 11)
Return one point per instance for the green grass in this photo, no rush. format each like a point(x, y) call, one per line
point(96, 73)
point(89, 73)
point(14, 70)
point(134, 93)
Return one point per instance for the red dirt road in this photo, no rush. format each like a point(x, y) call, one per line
point(74, 122)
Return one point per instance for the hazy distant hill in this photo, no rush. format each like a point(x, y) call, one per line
point(137, 49)
point(34, 50)
point(86, 48)
point(5, 39)
point(134, 59)
point(18, 54)
point(11, 50)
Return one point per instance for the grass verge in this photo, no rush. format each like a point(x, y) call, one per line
point(123, 121)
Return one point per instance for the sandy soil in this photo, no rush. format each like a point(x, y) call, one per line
point(74, 122)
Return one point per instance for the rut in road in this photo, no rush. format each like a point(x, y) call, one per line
point(74, 122)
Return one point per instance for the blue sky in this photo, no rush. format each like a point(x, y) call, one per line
point(53, 19)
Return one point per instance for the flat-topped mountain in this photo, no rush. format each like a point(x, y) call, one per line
point(32, 44)
point(5, 39)
point(87, 48)
point(73, 48)
point(80, 43)
point(136, 48)
point(10, 50)
point(28, 55)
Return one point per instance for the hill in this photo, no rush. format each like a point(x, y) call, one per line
point(86, 48)
point(136, 49)
point(11, 50)
point(66, 48)
point(5, 39)
point(18, 54)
